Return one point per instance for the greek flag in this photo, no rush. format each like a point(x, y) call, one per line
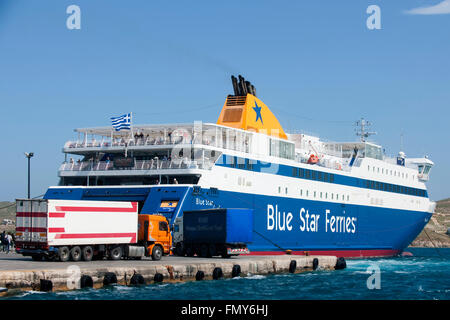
point(122, 122)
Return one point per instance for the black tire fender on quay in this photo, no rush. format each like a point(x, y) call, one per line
point(109, 278)
point(86, 281)
point(137, 279)
point(315, 263)
point(292, 266)
point(236, 271)
point(340, 264)
point(217, 273)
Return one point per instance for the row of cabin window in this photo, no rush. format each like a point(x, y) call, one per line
point(313, 175)
point(243, 164)
point(333, 196)
point(394, 188)
point(392, 172)
point(329, 177)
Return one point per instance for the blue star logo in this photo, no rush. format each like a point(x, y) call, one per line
point(258, 112)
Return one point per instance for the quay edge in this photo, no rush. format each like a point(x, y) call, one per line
point(65, 279)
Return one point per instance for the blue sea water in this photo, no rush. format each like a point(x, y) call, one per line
point(426, 275)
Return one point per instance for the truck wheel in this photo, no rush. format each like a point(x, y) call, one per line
point(63, 254)
point(87, 253)
point(157, 253)
point(115, 253)
point(75, 254)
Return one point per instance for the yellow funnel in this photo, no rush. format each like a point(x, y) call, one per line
point(250, 113)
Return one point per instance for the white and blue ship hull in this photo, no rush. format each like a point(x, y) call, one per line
point(281, 223)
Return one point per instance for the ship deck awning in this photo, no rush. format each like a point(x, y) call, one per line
point(146, 129)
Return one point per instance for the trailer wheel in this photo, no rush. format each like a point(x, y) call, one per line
point(87, 253)
point(157, 253)
point(115, 253)
point(63, 254)
point(75, 254)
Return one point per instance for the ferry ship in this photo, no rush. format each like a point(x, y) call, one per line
point(309, 196)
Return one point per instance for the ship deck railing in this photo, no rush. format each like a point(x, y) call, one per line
point(154, 164)
point(158, 141)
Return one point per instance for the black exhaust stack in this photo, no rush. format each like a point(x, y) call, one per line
point(242, 87)
point(235, 85)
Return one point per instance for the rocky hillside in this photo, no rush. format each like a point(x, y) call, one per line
point(436, 229)
point(7, 211)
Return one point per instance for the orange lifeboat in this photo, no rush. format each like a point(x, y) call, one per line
point(313, 159)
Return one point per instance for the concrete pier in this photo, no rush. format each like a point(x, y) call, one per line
point(21, 273)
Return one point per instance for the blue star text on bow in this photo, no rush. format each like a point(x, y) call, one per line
point(258, 112)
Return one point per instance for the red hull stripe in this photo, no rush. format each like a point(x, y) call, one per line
point(96, 235)
point(338, 253)
point(32, 214)
point(97, 209)
point(53, 230)
point(56, 214)
point(28, 229)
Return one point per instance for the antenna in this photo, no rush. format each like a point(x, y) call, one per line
point(362, 129)
point(401, 141)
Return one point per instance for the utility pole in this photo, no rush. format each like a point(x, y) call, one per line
point(29, 155)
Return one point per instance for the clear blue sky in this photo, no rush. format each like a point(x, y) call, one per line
point(314, 63)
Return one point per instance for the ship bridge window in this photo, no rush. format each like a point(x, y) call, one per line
point(282, 149)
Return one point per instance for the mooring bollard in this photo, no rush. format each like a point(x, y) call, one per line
point(46, 285)
point(199, 275)
point(137, 279)
point(217, 273)
point(86, 281)
point(292, 266)
point(158, 277)
point(236, 271)
point(315, 263)
point(109, 278)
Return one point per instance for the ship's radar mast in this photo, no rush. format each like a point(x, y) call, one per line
point(362, 129)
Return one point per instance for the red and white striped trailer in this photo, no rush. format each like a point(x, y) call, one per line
point(74, 229)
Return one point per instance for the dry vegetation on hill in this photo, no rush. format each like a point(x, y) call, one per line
point(436, 229)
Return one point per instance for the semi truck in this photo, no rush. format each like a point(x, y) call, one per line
point(213, 232)
point(86, 230)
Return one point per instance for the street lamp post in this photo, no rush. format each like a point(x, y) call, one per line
point(29, 155)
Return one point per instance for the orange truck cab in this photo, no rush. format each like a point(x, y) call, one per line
point(154, 235)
